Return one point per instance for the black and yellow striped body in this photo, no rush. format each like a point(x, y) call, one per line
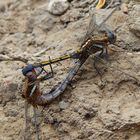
point(87, 46)
point(55, 60)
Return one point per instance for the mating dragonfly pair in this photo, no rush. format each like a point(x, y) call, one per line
point(97, 39)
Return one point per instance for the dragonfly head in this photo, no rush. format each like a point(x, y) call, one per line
point(27, 69)
point(111, 37)
point(29, 72)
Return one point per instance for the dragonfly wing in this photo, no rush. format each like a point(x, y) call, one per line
point(92, 28)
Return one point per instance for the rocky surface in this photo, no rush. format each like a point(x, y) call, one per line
point(33, 30)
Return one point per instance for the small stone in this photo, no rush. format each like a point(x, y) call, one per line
point(63, 105)
point(124, 8)
point(58, 7)
point(11, 113)
point(89, 115)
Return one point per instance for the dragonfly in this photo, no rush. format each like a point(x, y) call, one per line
point(97, 39)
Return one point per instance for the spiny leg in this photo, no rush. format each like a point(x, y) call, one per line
point(26, 124)
point(26, 114)
point(106, 55)
point(35, 120)
point(96, 68)
point(96, 59)
point(102, 55)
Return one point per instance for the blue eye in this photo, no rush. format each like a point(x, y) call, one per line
point(27, 69)
point(111, 37)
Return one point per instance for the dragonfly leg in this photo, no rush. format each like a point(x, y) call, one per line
point(96, 68)
point(106, 55)
point(101, 53)
point(96, 58)
point(35, 121)
point(26, 124)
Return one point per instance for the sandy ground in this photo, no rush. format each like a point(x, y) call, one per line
point(92, 110)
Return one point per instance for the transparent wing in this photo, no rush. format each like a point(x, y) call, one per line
point(92, 28)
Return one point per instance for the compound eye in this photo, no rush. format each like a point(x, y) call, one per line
point(111, 37)
point(27, 69)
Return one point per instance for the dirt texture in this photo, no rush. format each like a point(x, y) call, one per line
point(33, 30)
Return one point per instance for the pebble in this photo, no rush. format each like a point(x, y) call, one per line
point(58, 7)
point(124, 8)
point(63, 105)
